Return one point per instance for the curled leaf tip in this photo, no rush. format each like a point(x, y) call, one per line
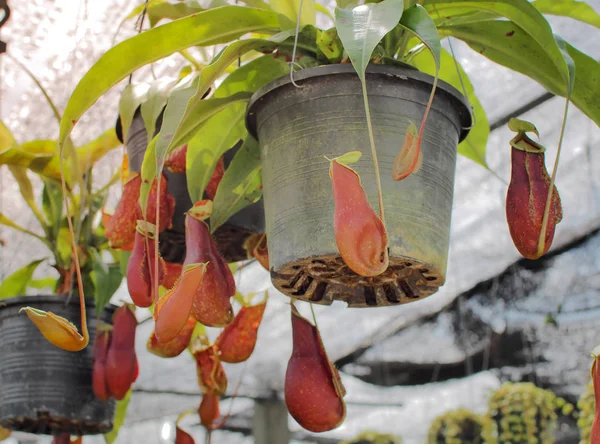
point(522, 126)
point(57, 330)
point(348, 158)
point(201, 210)
point(146, 228)
point(410, 157)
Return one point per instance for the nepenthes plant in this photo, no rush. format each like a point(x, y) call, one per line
point(349, 134)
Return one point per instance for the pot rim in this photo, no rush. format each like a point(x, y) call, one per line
point(458, 99)
point(49, 298)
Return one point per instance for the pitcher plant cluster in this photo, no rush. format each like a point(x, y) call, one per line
point(257, 44)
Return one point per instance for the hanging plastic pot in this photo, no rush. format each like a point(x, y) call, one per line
point(230, 236)
point(44, 389)
point(298, 127)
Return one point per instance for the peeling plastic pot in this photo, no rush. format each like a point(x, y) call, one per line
point(297, 127)
point(44, 389)
point(229, 237)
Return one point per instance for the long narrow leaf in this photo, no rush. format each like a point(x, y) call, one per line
point(197, 116)
point(361, 29)
point(16, 283)
point(575, 9)
point(222, 131)
point(210, 27)
point(241, 184)
point(177, 119)
point(26, 188)
point(290, 8)
point(519, 52)
point(120, 414)
point(520, 12)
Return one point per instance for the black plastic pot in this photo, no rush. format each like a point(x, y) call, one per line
point(297, 127)
point(44, 389)
point(229, 237)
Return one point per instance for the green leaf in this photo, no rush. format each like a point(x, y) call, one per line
point(474, 145)
point(41, 284)
point(520, 12)
point(26, 188)
point(6, 138)
point(132, 96)
point(156, 99)
point(52, 205)
point(106, 279)
point(119, 418)
point(562, 45)
point(38, 156)
point(124, 259)
point(210, 27)
point(9, 223)
point(578, 10)
point(417, 20)
point(177, 119)
point(290, 8)
point(164, 10)
point(224, 130)
point(362, 28)
point(92, 152)
point(16, 283)
point(199, 114)
point(198, 332)
point(508, 45)
point(241, 184)
point(330, 48)
point(219, 134)
point(518, 126)
point(349, 158)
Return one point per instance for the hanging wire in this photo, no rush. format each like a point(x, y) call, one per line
point(140, 25)
point(293, 63)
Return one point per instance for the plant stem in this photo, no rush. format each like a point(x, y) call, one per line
point(186, 55)
point(373, 151)
point(542, 239)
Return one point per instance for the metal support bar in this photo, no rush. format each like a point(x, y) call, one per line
point(270, 422)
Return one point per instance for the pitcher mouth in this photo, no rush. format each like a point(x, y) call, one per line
point(401, 73)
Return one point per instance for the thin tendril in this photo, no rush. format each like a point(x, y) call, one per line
point(542, 239)
point(373, 152)
point(74, 247)
point(293, 62)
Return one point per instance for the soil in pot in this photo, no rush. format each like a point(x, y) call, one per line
point(44, 389)
point(297, 127)
point(229, 237)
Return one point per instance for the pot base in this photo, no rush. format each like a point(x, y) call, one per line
point(323, 279)
point(46, 424)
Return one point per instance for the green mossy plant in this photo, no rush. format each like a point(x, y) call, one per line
point(585, 407)
point(521, 413)
point(371, 437)
point(459, 426)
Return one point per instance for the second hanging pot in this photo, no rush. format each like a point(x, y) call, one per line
point(298, 127)
point(229, 237)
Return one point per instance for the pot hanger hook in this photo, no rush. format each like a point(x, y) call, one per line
point(293, 63)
